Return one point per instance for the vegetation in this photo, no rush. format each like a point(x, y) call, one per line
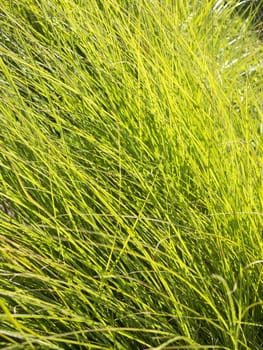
point(131, 175)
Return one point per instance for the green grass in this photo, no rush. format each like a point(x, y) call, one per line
point(130, 175)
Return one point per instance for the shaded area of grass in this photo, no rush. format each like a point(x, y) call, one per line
point(131, 176)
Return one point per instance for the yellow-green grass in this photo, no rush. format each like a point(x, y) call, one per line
point(130, 175)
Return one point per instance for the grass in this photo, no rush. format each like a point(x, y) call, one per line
point(131, 175)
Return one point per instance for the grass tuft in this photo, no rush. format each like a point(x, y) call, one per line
point(130, 175)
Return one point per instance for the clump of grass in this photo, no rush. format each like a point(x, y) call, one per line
point(131, 176)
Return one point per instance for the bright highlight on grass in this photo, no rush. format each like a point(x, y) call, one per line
point(130, 175)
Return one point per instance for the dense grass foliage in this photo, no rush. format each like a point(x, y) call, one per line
point(131, 175)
